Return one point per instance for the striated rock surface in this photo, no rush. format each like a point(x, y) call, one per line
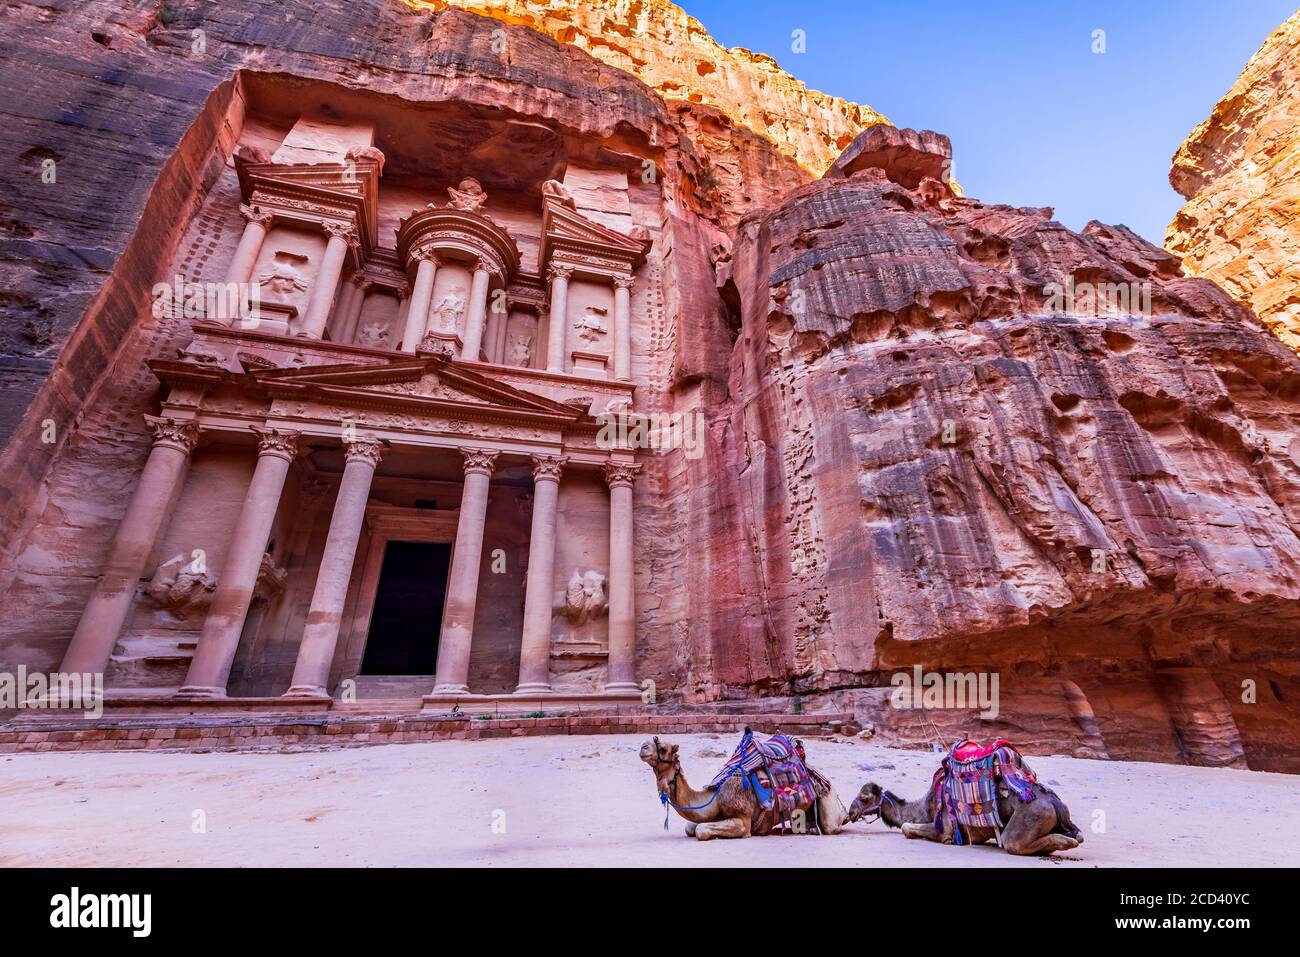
point(671, 51)
point(924, 464)
point(912, 456)
point(1240, 173)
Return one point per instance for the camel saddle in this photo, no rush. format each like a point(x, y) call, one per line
point(966, 784)
point(777, 769)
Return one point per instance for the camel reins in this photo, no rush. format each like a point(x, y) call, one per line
point(677, 770)
point(884, 796)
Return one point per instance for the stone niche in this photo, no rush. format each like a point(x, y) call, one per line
point(285, 269)
point(590, 328)
point(450, 298)
point(379, 323)
point(579, 643)
point(523, 345)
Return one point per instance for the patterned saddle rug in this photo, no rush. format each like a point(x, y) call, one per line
point(777, 770)
point(966, 784)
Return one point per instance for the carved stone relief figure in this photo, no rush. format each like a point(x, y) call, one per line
point(285, 278)
point(521, 350)
point(448, 312)
point(375, 334)
point(183, 586)
point(591, 324)
point(469, 197)
point(554, 189)
point(585, 597)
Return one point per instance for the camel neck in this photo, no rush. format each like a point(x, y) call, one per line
point(684, 796)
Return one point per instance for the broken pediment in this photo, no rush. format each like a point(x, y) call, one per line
point(433, 379)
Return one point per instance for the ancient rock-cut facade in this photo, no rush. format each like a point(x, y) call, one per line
point(457, 244)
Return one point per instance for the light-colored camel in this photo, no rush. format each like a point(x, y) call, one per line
point(733, 810)
point(1039, 826)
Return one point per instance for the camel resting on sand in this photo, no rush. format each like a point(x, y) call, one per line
point(733, 810)
point(1038, 826)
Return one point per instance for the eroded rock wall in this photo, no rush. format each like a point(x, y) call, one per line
point(1240, 173)
point(921, 462)
point(676, 57)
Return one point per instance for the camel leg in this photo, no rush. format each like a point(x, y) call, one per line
point(1047, 844)
point(728, 827)
point(690, 829)
point(925, 832)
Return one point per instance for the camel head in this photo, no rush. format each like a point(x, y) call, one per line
point(663, 760)
point(867, 802)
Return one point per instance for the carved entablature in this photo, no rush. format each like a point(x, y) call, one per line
point(571, 241)
point(451, 233)
point(384, 270)
point(341, 196)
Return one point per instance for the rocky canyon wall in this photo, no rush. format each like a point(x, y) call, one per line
point(910, 456)
point(673, 54)
point(1240, 173)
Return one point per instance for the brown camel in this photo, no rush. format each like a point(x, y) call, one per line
point(1038, 826)
point(733, 810)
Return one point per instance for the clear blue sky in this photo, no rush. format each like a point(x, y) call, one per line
point(1036, 118)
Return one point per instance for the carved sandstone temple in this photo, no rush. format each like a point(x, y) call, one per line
point(378, 453)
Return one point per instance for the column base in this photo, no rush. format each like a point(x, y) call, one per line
point(450, 689)
point(306, 691)
point(534, 688)
point(623, 687)
point(200, 691)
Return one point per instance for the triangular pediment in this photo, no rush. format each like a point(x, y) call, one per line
point(563, 226)
point(421, 379)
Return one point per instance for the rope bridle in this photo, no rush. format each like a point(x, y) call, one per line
point(884, 796)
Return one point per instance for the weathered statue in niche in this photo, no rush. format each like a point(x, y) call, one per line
point(468, 197)
point(449, 310)
point(521, 350)
point(285, 279)
point(585, 598)
point(591, 324)
point(375, 334)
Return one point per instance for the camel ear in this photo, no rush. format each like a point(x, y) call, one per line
point(672, 751)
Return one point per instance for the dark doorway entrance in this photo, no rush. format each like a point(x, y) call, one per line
point(404, 626)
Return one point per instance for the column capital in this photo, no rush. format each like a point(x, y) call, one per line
point(547, 468)
point(281, 443)
point(403, 292)
point(624, 282)
point(256, 214)
point(343, 231)
point(360, 281)
point(555, 271)
point(425, 254)
point(365, 450)
point(479, 460)
point(179, 434)
point(620, 473)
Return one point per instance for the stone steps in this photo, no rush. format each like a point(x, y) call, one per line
point(306, 732)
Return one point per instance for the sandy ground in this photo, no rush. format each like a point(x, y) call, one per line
point(584, 801)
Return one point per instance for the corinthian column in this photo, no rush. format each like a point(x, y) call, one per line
point(327, 280)
point(623, 328)
point(219, 639)
point(476, 315)
point(622, 585)
point(316, 653)
point(256, 223)
point(559, 318)
point(535, 655)
point(462, 585)
point(155, 494)
point(348, 328)
point(417, 314)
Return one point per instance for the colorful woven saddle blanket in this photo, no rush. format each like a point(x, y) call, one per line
point(966, 783)
point(777, 770)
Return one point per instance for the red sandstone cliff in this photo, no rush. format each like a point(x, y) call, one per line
point(1240, 173)
point(920, 463)
point(910, 458)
